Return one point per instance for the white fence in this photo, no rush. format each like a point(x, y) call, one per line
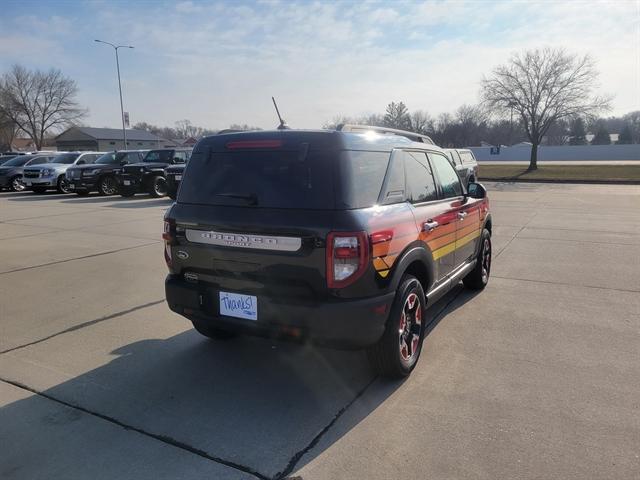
point(565, 152)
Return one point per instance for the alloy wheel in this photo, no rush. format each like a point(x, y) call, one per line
point(108, 186)
point(410, 328)
point(17, 185)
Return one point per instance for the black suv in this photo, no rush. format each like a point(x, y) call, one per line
point(339, 237)
point(148, 176)
point(101, 175)
point(173, 174)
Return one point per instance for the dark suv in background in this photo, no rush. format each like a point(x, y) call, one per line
point(148, 175)
point(342, 238)
point(101, 175)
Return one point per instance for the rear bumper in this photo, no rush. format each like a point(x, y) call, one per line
point(343, 323)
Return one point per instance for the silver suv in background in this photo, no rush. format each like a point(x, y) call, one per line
point(40, 178)
point(465, 164)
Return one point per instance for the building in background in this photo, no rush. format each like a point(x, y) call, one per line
point(105, 139)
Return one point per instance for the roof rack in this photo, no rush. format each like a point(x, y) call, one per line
point(416, 137)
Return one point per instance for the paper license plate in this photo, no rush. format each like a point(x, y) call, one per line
point(178, 177)
point(126, 182)
point(239, 306)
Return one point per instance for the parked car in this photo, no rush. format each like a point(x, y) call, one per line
point(11, 171)
point(45, 177)
point(465, 163)
point(101, 175)
point(148, 176)
point(173, 175)
point(6, 158)
point(338, 237)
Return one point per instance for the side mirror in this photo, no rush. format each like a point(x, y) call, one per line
point(476, 190)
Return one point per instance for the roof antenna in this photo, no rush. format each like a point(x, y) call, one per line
point(283, 125)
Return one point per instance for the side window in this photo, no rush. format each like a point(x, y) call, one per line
point(38, 161)
point(133, 157)
point(394, 187)
point(420, 183)
point(179, 157)
point(447, 176)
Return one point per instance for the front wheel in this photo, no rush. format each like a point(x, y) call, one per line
point(107, 186)
point(397, 352)
point(63, 185)
point(478, 278)
point(212, 332)
point(158, 186)
point(16, 184)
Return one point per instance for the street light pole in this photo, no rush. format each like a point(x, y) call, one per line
point(116, 47)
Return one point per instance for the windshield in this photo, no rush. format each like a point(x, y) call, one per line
point(270, 179)
point(163, 156)
point(66, 158)
point(18, 161)
point(6, 158)
point(110, 157)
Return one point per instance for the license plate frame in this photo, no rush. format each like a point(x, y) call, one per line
point(126, 183)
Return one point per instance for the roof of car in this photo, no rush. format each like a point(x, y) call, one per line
point(318, 140)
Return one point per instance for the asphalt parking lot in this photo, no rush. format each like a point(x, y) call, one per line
point(536, 377)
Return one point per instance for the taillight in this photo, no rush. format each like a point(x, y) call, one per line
point(347, 257)
point(242, 144)
point(169, 237)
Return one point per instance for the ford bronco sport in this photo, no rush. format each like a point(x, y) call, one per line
point(341, 237)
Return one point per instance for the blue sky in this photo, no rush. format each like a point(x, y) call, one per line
point(218, 63)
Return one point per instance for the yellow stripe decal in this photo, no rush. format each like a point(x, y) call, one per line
point(383, 273)
point(447, 249)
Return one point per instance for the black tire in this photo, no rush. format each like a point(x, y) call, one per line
point(390, 357)
point(212, 332)
point(63, 185)
point(158, 186)
point(107, 185)
point(15, 184)
point(126, 192)
point(39, 190)
point(478, 278)
point(82, 193)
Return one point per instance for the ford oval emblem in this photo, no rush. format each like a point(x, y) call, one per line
point(182, 255)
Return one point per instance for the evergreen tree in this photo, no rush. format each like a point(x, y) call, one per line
point(625, 137)
point(602, 136)
point(397, 116)
point(578, 135)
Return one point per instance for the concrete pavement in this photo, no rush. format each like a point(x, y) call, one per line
point(536, 377)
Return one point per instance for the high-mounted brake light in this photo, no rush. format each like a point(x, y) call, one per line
point(240, 144)
point(347, 257)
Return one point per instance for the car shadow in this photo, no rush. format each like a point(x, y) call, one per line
point(28, 196)
point(251, 402)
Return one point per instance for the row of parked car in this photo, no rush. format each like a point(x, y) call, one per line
point(124, 172)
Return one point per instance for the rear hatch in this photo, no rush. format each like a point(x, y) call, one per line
point(252, 218)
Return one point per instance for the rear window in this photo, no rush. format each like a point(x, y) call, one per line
point(467, 157)
point(260, 178)
point(162, 156)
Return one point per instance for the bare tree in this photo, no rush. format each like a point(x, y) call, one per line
point(421, 122)
point(544, 86)
point(38, 102)
point(8, 131)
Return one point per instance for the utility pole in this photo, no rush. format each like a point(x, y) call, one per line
point(116, 47)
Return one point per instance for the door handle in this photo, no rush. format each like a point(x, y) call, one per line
point(429, 226)
point(462, 215)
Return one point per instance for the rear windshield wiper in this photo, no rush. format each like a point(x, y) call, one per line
point(251, 198)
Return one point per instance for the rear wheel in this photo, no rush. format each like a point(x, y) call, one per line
point(212, 332)
point(158, 186)
point(397, 352)
point(478, 278)
point(16, 184)
point(63, 185)
point(107, 186)
point(39, 190)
